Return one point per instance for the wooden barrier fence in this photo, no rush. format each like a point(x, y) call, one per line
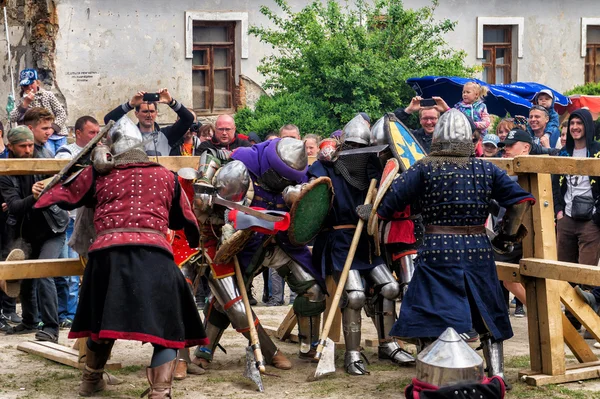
point(545, 279)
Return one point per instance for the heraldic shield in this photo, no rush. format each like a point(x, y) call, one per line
point(309, 211)
point(404, 146)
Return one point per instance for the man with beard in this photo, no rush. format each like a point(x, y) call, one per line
point(31, 228)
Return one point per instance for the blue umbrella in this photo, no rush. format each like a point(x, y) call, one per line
point(528, 90)
point(499, 101)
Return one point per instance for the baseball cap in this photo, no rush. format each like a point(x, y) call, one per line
point(516, 135)
point(27, 76)
point(19, 134)
point(548, 92)
point(491, 139)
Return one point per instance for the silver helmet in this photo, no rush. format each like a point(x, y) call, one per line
point(378, 132)
point(453, 128)
point(124, 135)
point(449, 361)
point(357, 131)
point(232, 181)
point(292, 153)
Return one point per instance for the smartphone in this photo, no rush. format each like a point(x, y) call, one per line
point(427, 102)
point(151, 97)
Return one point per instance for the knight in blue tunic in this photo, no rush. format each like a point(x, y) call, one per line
point(274, 166)
point(350, 176)
point(455, 282)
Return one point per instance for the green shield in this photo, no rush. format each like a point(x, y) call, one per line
point(308, 213)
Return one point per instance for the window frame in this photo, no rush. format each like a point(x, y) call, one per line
point(593, 52)
point(507, 45)
point(210, 68)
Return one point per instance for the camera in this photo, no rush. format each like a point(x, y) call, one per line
point(151, 97)
point(427, 102)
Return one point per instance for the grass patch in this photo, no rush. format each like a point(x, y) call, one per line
point(517, 362)
point(324, 388)
point(128, 369)
point(393, 385)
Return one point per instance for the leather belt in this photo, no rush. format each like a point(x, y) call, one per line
point(130, 230)
point(457, 230)
point(344, 226)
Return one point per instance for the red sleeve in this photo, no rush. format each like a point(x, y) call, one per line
point(72, 195)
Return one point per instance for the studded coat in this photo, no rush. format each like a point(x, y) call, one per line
point(134, 205)
point(455, 282)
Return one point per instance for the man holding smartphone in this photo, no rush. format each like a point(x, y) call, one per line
point(429, 110)
point(146, 110)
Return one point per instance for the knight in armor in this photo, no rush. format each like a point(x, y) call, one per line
point(230, 182)
point(131, 288)
point(455, 283)
point(274, 166)
point(350, 176)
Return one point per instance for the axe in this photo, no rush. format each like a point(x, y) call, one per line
point(254, 364)
point(326, 348)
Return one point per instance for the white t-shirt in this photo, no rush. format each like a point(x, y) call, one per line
point(577, 186)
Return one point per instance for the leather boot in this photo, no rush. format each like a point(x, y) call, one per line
point(161, 380)
point(92, 381)
point(180, 370)
point(280, 361)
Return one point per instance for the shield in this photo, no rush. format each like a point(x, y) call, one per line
point(232, 246)
point(309, 211)
point(75, 163)
point(403, 144)
point(387, 178)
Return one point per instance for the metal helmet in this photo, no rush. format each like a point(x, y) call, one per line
point(357, 131)
point(123, 136)
point(232, 181)
point(292, 153)
point(378, 132)
point(449, 361)
point(452, 128)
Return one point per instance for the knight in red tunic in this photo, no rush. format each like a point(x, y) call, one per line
point(132, 289)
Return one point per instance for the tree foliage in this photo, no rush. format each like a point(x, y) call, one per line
point(355, 57)
point(588, 89)
point(272, 112)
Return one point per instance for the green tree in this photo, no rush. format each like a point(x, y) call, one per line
point(589, 89)
point(355, 58)
point(272, 112)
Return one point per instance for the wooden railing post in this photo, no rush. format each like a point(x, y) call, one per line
point(543, 296)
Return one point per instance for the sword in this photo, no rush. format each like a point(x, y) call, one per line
point(377, 149)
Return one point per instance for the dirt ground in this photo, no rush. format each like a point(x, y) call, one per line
point(27, 376)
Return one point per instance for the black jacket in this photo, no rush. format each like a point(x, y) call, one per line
point(169, 135)
point(423, 138)
point(559, 186)
point(212, 145)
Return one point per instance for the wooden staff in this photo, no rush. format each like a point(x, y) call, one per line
point(344, 275)
point(258, 356)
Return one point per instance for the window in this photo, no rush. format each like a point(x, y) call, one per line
point(592, 55)
point(497, 54)
point(213, 64)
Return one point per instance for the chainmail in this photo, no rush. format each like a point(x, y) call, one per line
point(453, 153)
point(353, 168)
point(135, 155)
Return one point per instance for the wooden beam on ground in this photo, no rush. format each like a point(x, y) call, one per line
point(508, 272)
point(287, 325)
point(336, 326)
point(556, 165)
point(570, 375)
point(18, 270)
point(60, 354)
point(576, 343)
point(557, 270)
